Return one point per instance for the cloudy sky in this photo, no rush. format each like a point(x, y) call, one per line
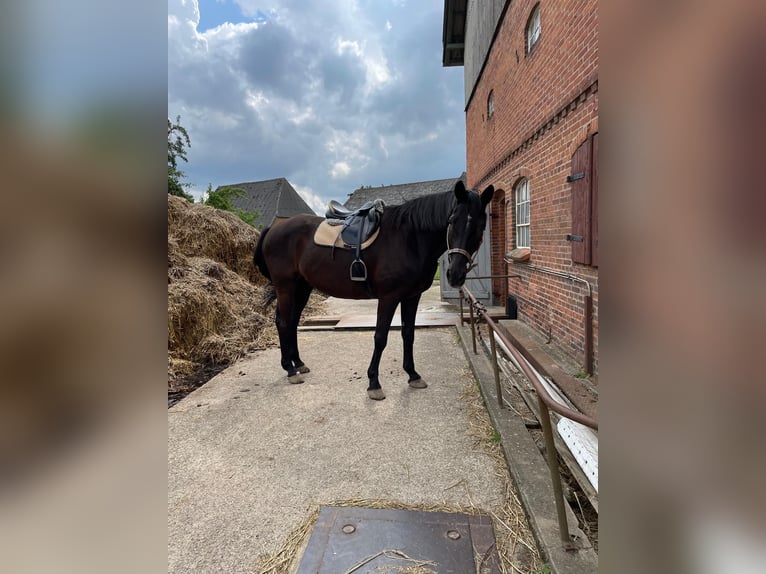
point(331, 95)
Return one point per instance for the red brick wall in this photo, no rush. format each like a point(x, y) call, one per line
point(546, 105)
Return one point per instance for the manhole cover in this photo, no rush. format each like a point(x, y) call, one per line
point(366, 540)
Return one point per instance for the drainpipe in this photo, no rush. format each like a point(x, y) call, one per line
point(587, 310)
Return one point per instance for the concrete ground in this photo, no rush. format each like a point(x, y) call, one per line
point(249, 454)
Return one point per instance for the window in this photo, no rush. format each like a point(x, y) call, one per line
point(533, 28)
point(491, 104)
point(521, 196)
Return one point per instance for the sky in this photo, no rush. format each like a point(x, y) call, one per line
point(331, 95)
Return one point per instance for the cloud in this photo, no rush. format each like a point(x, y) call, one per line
point(330, 95)
point(312, 199)
point(340, 170)
point(342, 75)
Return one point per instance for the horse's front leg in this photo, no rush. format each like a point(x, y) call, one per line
point(386, 310)
point(409, 311)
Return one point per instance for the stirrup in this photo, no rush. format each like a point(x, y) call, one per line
point(358, 271)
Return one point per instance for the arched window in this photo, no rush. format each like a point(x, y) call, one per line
point(521, 197)
point(491, 104)
point(533, 28)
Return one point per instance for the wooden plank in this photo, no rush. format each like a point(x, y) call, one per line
point(578, 391)
point(583, 444)
point(426, 318)
point(530, 398)
point(421, 320)
point(322, 320)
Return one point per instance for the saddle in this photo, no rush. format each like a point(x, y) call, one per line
point(359, 229)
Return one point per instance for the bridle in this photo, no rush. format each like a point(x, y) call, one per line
point(450, 250)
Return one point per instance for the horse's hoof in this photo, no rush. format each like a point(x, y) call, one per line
point(295, 379)
point(418, 384)
point(304, 369)
point(376, 394)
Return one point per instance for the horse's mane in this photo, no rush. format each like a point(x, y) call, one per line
point(427, 213)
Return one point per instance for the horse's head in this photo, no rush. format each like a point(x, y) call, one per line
point(465, 231)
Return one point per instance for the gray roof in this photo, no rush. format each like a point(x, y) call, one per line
point(398, 194)
point(271, 198)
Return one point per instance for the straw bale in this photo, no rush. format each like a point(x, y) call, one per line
point(213, 313)
point(204, 231)
point(215, 293)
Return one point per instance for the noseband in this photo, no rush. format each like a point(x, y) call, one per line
point(450, 250)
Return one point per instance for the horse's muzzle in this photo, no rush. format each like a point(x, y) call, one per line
point(456, 278)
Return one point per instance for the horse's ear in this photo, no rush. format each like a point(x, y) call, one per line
point(486, 195)
point(460, 192)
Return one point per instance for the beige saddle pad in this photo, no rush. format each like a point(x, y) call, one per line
point(329, 236)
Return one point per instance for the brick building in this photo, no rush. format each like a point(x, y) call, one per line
point(531, 103)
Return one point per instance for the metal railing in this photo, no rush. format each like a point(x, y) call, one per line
point(504, 276)
point(545, 401)
point(587, 364)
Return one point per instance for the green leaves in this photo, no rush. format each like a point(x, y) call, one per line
point(221, 199)
point(178, 141)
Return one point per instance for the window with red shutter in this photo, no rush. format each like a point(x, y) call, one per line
point(594, 202)
point(584, 181)
point(580, 178)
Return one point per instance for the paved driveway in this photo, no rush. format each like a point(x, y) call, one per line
point(249, 454)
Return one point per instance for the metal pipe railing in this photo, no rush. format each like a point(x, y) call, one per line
point(469, 277)
point(552, 404)
point(506, 276)
point(473, 328)
point(587, 310)
point(546, 402)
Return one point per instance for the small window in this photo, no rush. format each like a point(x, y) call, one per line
point(533, 28)
point(521, 197)
point(491, 105)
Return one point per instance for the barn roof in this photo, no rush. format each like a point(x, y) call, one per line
point(271, 198)
point(397, 194)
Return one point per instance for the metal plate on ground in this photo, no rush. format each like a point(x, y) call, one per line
point(366, 540)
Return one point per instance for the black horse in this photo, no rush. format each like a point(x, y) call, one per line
point(401, 264)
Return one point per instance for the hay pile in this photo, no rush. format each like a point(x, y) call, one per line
point(215, 293)
point(196, 230)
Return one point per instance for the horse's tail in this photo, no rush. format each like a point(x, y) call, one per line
point(258, 259)
point(269, 294)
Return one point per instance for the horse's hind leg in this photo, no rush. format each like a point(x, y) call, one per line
point(409, 311)
point(386, 310)
point(302, 294)
point(287, 334)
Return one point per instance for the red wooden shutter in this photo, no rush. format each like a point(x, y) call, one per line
point(580, 179)
point(594, 203)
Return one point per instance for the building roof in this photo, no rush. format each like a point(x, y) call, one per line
point(397, 194)
point(453, 33)
point(269, 199)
